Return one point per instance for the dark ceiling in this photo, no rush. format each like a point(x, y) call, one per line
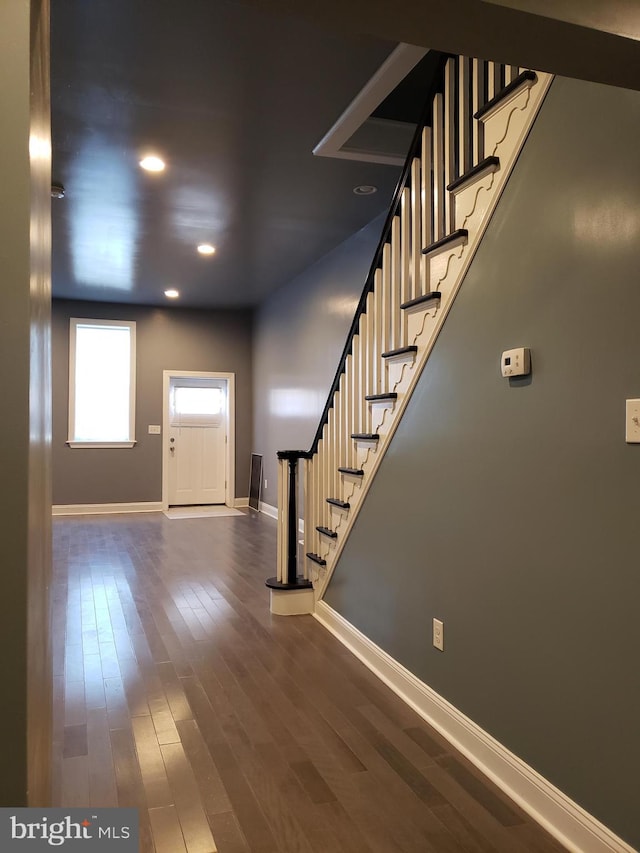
point(234, 99)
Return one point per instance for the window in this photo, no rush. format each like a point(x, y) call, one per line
point(200, 404)
point(102, 383)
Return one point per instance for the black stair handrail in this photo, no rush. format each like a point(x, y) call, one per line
point(405, 176)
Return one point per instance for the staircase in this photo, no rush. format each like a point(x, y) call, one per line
point(475, 124)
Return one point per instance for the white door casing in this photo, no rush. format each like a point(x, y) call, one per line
point(198, 449)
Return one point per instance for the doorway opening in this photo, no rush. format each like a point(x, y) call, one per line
point(198, 456)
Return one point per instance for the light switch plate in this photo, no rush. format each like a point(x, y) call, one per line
point(154, 429)
point(438, 634)
point(632, 431)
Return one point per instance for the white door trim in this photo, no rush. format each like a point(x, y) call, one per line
point(230, 452)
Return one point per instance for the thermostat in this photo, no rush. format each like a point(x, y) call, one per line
point(516, 362)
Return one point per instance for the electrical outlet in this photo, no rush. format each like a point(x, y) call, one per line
point(438, 634)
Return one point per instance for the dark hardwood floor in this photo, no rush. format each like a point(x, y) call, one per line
point(230, 729)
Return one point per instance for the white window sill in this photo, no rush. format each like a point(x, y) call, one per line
point(100, 444)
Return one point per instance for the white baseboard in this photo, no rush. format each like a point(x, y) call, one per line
point(272, 512)
point(267, 509)
point(573, 827)
point(239, 503)
point(100, 509)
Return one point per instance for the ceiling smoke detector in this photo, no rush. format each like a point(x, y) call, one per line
point(365, 189)
point(57, 191)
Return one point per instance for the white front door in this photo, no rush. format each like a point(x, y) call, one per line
point(197, 438)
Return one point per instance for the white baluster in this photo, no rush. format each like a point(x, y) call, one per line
point(464, 116)
point(307, 491)
point(319, 495)
point(426, 207)
point(364, 371)
point(331, 449)
point(326, 439)
point(385, 314)
point(377, 334)
point(437, 128)
point(370, 342)
point(477, 97)
point(405, 244)
point(416, 238)
point(396, 295)
point(349, 414)
point(449, 142)
point(491, 80)
point(337, 459)
point(356, 402)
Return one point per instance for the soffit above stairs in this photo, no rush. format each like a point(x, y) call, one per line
point(578, 40)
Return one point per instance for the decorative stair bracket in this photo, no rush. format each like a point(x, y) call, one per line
point(464, 150)
point(291, 594)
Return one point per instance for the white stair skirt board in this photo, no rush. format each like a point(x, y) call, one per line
point(568, 822)
point(100, 509)
point(221, 511)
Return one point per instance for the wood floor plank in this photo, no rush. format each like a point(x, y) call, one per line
point(154, 774)
point(430, 742)
point(396, 736)
point(75, 707)
point(167, 834)
point(127, 770)
point(176, 699)
point(116, 703)
point(102, 780)
point(227, 833)
point(492, 800)
point(75, 741)
point(211, 788)
point(535, 839)
point(75, 781)
point(94, 682)
point(191, 814)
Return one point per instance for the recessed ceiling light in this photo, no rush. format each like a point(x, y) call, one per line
point(206, 249)
point(172, 294)
point(152, 164)
point(365, 189)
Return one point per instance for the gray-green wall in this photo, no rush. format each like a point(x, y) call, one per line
point(510, 509)
point(299, 335)
point(166, 339)
point(25, 516)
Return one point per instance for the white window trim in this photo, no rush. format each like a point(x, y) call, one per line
point(74, 322)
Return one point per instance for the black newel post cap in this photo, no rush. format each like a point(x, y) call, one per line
point(294, 454)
